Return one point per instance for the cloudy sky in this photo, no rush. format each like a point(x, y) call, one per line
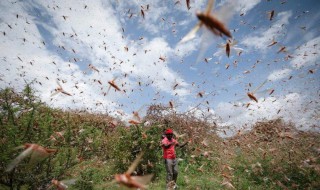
point(138, 45)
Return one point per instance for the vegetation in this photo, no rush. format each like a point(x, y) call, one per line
point(92, 149)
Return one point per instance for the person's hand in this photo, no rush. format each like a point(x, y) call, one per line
point(171, 143)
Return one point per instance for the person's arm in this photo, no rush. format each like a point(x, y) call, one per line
point(184, 144)
point(166, 146)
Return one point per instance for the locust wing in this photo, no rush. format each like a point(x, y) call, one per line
point(18, 159)
point(134, 164)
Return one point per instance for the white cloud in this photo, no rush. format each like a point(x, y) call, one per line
point(279, 74)
point(230, 7)
point(247, 5)
point(264, 36)
point(306, 54)
point(287, 107)
point(95, 35)
point(185, 49)
point(204, 115)
point(157, 18)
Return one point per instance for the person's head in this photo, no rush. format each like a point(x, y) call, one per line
point(169, 133)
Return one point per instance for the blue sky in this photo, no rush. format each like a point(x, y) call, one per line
point(63, 37)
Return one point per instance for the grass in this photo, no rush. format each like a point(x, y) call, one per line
point(93, 151)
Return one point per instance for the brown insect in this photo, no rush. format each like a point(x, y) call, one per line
point(171, 104)
point(227, 66)
point(211, 22)
point(252, 97)
point(227, 184)
point(162, 58)
point(207, 60)
point(136, 115)
point(62, 185)
point(134, 122)
point(175, 86)
point(272, 43)
point(200, 94)
point(251, 94)
point(113, 123)
point(93, 68)
point(271, 92)
point(282, 49)
point(271, 14)
point(188, 4)
point(288, 135)
point(60, 89)
point(179, 136)
point(57, 135)
point(36, 152)
point(228, 46)
point(9, 26)
point(144, 136)
point(228, 49)
point(288, 57)
point(129, 181)
point(205, 143)
point(113, 84)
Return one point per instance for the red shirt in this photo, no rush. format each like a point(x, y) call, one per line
point(168, 153)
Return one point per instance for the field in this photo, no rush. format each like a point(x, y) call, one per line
point(92, 148)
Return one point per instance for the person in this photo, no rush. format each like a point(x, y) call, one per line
point(168, 144)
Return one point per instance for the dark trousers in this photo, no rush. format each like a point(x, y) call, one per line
point(172, 170)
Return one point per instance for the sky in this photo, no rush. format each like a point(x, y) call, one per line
point(137, 44)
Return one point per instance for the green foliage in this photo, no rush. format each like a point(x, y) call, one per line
point(92, 152)
point(24, 119)
point(261, 173)
point(129, 142)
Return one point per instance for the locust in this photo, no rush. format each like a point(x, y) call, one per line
point(60, 89)
point(137, 182)
point(211, 22)
point(251, 94)
point(36, 152)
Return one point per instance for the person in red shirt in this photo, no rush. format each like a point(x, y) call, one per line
point(168, 144)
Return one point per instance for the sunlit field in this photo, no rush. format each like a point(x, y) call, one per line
point(88, 89)
point(90, 150)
